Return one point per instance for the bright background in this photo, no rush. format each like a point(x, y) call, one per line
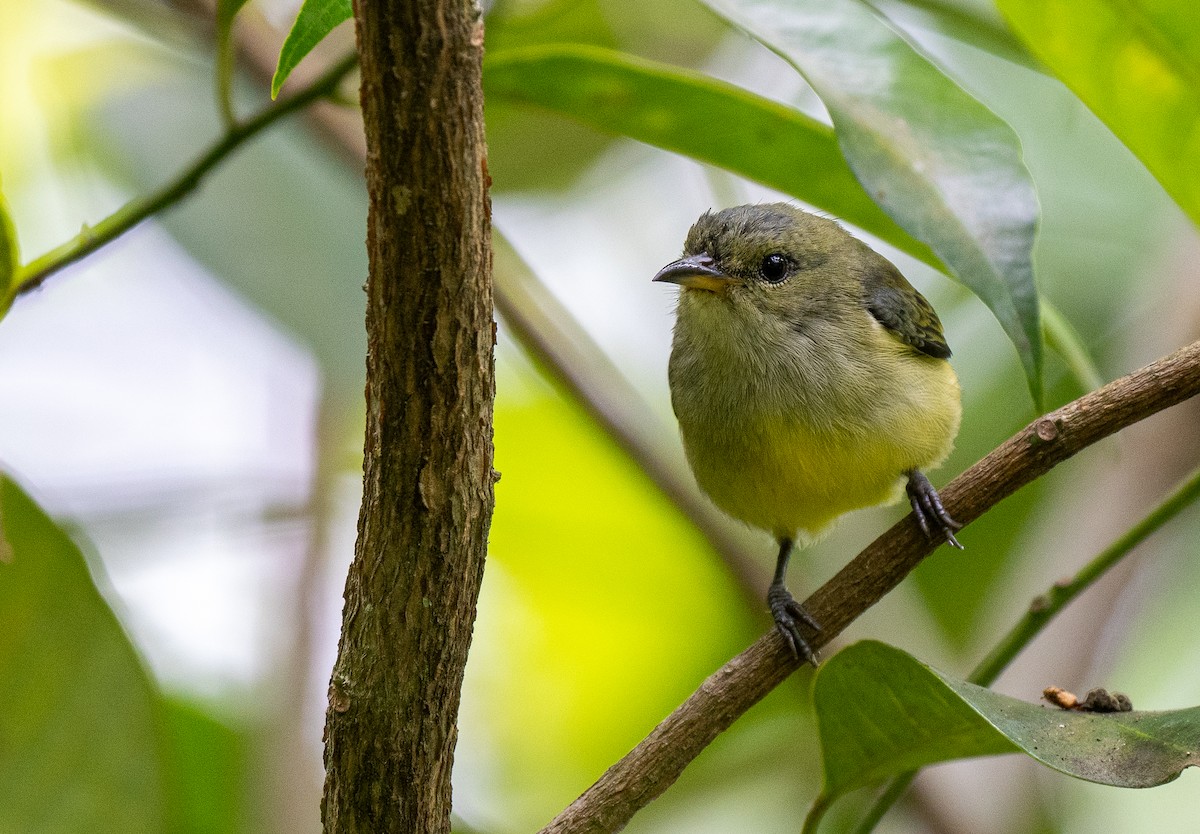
point(188, 401)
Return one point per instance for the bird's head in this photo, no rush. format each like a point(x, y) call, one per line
point(768, 252)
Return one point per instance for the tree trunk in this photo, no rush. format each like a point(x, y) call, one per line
point(427, 487)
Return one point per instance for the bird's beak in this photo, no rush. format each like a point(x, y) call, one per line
point(697, 271)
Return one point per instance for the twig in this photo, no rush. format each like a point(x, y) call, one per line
point(34, 274)
point(660, 758)
point(1047, 606)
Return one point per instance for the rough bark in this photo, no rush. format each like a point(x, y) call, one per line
point(427, 486)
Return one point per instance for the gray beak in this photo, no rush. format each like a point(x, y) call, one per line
point(697, 272)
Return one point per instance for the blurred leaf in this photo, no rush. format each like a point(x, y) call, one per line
point(513, 24)
point(316, 205)
point(79, 740)
point(692, 114)
point(164, 22)
point(589, 593)
point(1062, 337)
point(940, 163)
point(207, 770)
point(317, 18)
point(226, 11)
point(974, 23)
point(881, 712)
point(522, 140)
point(10, 256)
point(959, 588)
point(1137, 66)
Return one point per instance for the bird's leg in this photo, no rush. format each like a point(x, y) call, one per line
point(787, 612)
point(927, 507)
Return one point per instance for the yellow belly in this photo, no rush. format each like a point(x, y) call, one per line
point(782, 474)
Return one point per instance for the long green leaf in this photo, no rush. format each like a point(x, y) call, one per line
point(1136, 64)
point(881, 712)
point(940, 163)
point(692, 114)
point(80, 742)
point(317, 18)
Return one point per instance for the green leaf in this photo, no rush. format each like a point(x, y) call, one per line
point(1062, 337)
point(694, 115)
point(226, 11)
point(10, 256)
point(207, 769)
point(521, 139)
point(1137, 66)
point(79, 736)
point(881, 712)
point(940, 163)
point(977, 24)
point(317, 18)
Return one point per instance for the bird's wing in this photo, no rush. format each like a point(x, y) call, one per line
point(901, 309)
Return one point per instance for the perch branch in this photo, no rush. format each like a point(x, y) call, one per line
point(658, 760)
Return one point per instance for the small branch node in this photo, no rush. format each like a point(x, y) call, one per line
point(1046, 429)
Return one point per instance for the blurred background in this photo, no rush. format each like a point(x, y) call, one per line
point(188, 403)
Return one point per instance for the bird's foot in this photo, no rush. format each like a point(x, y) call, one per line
point(788, 615)
point(927, 507)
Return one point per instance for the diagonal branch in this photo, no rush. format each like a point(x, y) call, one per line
point(34, 274)
point(659, 759)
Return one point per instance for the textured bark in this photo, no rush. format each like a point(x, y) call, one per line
point(427, 486)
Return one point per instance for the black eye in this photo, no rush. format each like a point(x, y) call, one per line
point(774, 267)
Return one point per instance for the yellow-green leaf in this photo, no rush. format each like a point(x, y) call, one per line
point(80, 743)
point(317, 18)
point(1136, 64)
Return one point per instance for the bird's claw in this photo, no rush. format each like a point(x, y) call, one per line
point(788, 615)
point(927, 506)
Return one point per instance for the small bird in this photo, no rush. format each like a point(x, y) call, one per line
point(809, 379)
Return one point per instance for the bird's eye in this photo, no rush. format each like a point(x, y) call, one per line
point(774, 267)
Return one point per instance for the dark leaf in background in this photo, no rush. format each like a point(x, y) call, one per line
point(80, 737)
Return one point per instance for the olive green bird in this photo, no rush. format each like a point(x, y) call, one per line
point(809, 379)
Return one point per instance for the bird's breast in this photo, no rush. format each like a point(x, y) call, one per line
point(786, 430)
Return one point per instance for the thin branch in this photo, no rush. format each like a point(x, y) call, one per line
point(34, 274)
point(656, 762)
point(1047, 606)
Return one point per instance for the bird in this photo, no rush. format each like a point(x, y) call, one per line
point(809, 379)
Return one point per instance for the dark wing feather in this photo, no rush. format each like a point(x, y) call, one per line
point(901, 309)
